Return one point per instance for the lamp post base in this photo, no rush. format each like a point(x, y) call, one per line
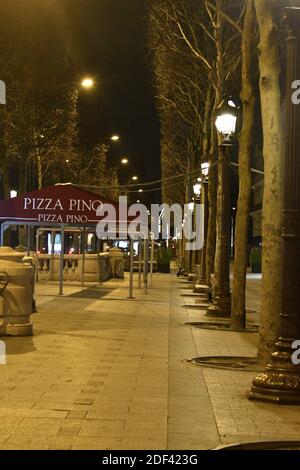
point(273, 396)
point(280, 383)
point(221, 307)
point(24, 329)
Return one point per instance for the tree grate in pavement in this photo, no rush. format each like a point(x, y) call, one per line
point(262, 445)
point(222, 326)
point(237, 363)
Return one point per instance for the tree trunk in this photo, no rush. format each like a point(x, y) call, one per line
point(272, 201)
point(213, 238)
point(39, 171)
point(186, 253)
point(204, 199)
point(238, 301)
point(212, 206)
point(5, 182)
point(204, 202)
point(217, 143)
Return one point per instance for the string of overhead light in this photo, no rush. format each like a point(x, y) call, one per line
point(146, 184)
point(162, 180)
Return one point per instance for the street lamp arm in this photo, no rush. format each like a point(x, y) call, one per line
point(254, 170)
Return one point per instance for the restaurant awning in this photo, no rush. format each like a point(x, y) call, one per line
point(55, 205)
point(62, 205)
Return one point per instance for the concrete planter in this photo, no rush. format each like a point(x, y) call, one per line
point(17, 294)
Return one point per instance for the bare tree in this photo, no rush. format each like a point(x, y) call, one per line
point(180, 97)
point(94, 171)
point(270, 92)
point(246, 146)
point(39, 123)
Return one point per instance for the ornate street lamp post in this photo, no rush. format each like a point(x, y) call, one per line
point(226, 123)
point(201, 195)
point(204, 201)
point(191, 254)
point(197, 189)
point(280, 382)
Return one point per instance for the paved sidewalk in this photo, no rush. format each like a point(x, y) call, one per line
point(238, 419)
point(96, 374)
point(104, 372)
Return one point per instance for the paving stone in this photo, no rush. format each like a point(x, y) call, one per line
point(32, 413)
point(95, 383)
point(96, 443)
point(69, 431)
point(83, 402)
point(110, 375)
point(77, 414)
point(142, 444)
point(102, 428)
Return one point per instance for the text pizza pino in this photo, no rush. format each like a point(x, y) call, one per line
point(49, 209)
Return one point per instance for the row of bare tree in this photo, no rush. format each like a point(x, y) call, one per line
point(39, 126)
point(203, 50)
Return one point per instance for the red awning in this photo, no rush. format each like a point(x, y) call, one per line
point(60, 204)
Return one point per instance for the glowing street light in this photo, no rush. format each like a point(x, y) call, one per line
point(87, 83)
point(205, 169)
point(197, 187)
point(115, 138)
point(124, 161)
point(134, 178)
point(226, 121)
point(141, 190)
point(191, 206)
point(13, 193)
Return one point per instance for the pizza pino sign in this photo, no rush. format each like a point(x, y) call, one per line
point(72, 211)
point(61, 204)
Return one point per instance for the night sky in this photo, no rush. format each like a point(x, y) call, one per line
point(109, 42)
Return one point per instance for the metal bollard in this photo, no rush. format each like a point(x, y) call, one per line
point(4, 280)
point(198, 273)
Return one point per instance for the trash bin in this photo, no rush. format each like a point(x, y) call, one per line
point(16, 292)
point(104, 267)
point(117, 262)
